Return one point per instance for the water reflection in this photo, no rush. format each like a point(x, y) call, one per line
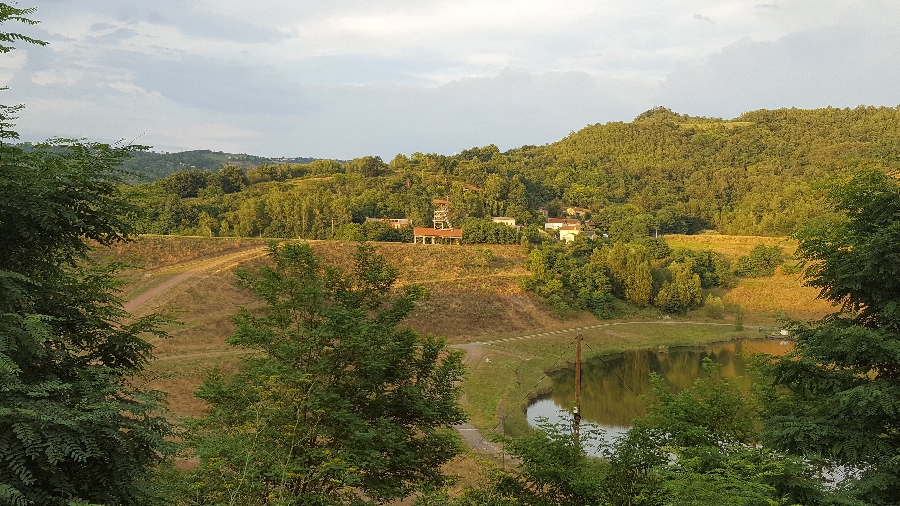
point(611, 386)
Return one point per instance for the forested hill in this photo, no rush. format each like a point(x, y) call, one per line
point(761, 173)
point(149, 166)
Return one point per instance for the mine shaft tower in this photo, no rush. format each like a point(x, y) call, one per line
point(442, 215)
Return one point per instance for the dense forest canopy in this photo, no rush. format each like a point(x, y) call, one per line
point(759, 174)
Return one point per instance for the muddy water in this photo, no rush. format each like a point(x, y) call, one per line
point(611, 386)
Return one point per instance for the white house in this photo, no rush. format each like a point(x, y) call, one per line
point(556, 223)
point(510, 222)
point(569, 233)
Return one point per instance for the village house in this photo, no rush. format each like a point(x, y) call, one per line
point(510, 222)
point(569, 233)
point(556, 223)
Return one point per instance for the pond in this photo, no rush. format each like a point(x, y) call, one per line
point(611, 386)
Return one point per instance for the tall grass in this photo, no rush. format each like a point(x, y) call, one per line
point(149, 252)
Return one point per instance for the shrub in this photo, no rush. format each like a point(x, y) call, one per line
point(715, 308)
point(761, 261)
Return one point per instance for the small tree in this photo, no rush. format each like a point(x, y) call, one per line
point(839, 396)
point(683, 292)
point(715, 308)
point(342, 398)
point(349, 232)
point(762, 261)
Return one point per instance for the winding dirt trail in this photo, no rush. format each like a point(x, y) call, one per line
point(601, 325)
point(219, 262)
point(469, 434)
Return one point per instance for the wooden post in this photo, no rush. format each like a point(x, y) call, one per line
point(577, 417)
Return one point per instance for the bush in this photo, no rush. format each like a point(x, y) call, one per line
point(761, 261)
point(715, 308)
point(349, 232)
point(683, 292)
point(792, 268)
point(382, 232)
point(709, 265)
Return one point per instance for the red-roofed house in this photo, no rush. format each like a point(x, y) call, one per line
point(435, 234)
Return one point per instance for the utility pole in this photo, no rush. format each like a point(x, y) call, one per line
point(577, 417)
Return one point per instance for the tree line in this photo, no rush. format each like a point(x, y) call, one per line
point(589, 274)
point(145, 166)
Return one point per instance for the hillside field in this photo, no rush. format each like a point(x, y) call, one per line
point(475, 297)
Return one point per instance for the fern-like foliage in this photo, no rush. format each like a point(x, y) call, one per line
point(73, 429)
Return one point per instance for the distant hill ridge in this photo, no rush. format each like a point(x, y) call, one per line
point(153, 165)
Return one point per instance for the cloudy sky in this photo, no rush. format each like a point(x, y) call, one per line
point(347, 78)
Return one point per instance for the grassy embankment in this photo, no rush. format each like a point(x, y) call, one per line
point(505, 375)
point(474, 297)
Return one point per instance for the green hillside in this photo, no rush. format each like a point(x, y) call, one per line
point(759, 174)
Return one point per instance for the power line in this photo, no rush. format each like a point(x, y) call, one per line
point(611, 369)
point(561, 355)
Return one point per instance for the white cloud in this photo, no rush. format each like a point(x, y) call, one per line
point(66, 77)
point(840, 67)
point(346, 78)
point(10, 64)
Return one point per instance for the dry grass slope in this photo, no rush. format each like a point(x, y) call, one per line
point(472, 298)
point(765, 300)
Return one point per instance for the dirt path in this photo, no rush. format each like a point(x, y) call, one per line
point(473, 439)
point(469, 434)
point(599, 325)
point(203, 354)
point(194, 267)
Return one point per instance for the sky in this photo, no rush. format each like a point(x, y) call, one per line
point(349, 78)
